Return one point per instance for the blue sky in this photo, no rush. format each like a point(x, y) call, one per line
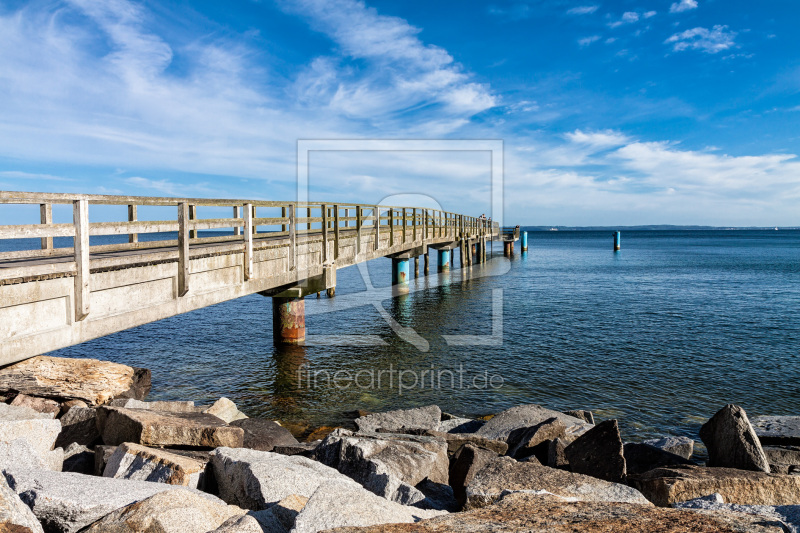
point(623, 112)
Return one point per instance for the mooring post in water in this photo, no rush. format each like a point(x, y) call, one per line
point(416, 266)
point(427, 270)
point(331, 292)
point(399, 274)
point(616, 241)
point(444, 260)
point(524, 244)
point(288, 320)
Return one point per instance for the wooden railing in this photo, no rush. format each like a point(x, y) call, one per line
point(288, 222)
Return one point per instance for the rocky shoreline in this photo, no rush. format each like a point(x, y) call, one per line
point(82, 451)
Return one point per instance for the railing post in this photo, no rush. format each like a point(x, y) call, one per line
point(46, 216)
point(358, 229)
point(414, 224)
point(192, 216)
point(255, 228)
point(324, 233)
point(346, 216)
point(377, 212)
point(80, 218)
point(248, 242)
point(183, 248)
point(335, 232)
point(292, 237)
point(391, 227)
point(283, 215)
point(237, 230)
point(132, 237)
point(405, 225)
point(308, 214)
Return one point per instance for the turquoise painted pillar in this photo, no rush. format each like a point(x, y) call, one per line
point(444, 260)
point(524, 241)
point(617, 239)
point(400, 273)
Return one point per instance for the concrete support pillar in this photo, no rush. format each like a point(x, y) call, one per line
point(416, 266)
point(617, 239)
point(331, 292)
point(483, 250)
point(444, 260)
point(427, 269)
point(461, 252)
point(288, 320)
point(400, 275)
point(524, 241)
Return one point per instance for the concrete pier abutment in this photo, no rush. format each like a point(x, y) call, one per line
point(288, 320)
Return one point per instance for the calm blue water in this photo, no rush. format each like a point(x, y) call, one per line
point(659, 335)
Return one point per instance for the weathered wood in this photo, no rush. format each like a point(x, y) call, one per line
point(391, 227)
point(237, 230)
point(335, 232)
point(80, 217)
point(183, 249)
point(308, 215)
point(192, 216)
point(292, 237)
point(325, 224)
point(26, 231)
point(46, 217)
point(405, 225)
point(283, 215)
point(376, 213)
point(248, 242)
point(358, 229)
point(132, 237)
point(95, 382)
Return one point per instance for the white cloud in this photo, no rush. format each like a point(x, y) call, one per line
point(582, 10)
point(586, 41)
point(597, 139)
point(710, 41)
point(649, 14)
point(629, 17)
point(683, 5)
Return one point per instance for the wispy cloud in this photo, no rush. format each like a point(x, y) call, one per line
point(629, 17)
point(710, 41)
point(683, 5)
point(582, 10)
point(586, 41)
point(31, 176)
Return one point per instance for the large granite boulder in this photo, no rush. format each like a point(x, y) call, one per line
point(460, 425)
point(78, 425)
point(466, 463)
point(335, 504)
point(533, 513)
point(731, 441)
point(15, 516)
point(175, 511)
point(641, 458)
point(264, 435)
point(390, 465)
point(225, 410)
point(19, 453)
point(584, 415)
point(777, 430)
point(133, 461)
point(783, 459)
point(427, 417)
point(683, 446)
point(599, 453)
point(525, 416)
point(252, 522)
point(40, 405)
point(535, 440)
point(93, 381)
point(507, 475)
point(256, 480)
point(557, 454)
point(155, 428)
point(78, 458)
point(67, 502)
point(167, 407)
point(666, 486)
point(38, 430)
point(787, 516)
point(457, 440)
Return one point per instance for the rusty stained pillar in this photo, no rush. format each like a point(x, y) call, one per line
point(416, 266)
point(400, 274)
point(427, 259)
point(444, 260)
point(288, 320)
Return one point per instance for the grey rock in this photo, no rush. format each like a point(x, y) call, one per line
point(466, 463)
point(778, 430)
point(683, 446)
point(787, 516)
point(336, 504)
point(287, 509)
point(133, 461)
point(783, 455)
point(78, 458)
point(390, 465)
point(253, 522)
point(101, 455)
point(504, 475)
point(40, 405)
point(641, 458)
point(586, 416)
point(438, 496)
point(255, 480)
point(65, 502)
point(167, 407)
point(10, 413)
point(535, 440)
point(523, 416)
point(40, 433)
point(461, 425)
point(225, 410)
point(731, 441)
point(556, 454)
point(427, 417)
point(264, 435)
point(176, 511)
point(457, 440)
point(15, 516)
point(598, 453)
point(306, 449)
point(158, 428)
point(79, 425)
